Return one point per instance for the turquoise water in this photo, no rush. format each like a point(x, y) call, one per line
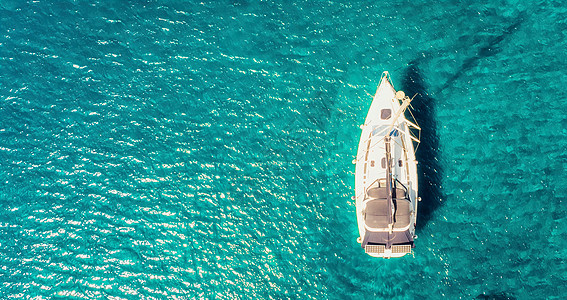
point(202, 150)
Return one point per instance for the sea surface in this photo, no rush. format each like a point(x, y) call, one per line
point(202, 149)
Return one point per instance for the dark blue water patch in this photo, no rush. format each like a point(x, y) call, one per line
point(489, 48)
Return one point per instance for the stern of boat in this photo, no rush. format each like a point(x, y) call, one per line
point(394, 251)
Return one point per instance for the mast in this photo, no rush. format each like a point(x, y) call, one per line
point(387, 140)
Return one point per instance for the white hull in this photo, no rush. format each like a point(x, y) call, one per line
point(387, 234)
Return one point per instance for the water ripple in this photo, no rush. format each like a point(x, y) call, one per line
point(202, 150)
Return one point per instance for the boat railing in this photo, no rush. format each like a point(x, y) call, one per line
point(382, 135)
point(406, 102)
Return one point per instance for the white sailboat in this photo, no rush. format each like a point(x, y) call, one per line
point(386, 175)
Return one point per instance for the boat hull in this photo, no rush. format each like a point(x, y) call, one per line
point(386, 186)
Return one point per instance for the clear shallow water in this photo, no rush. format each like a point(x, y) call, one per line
point(202, 150)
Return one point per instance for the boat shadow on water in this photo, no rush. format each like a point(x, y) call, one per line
point(429, 169)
